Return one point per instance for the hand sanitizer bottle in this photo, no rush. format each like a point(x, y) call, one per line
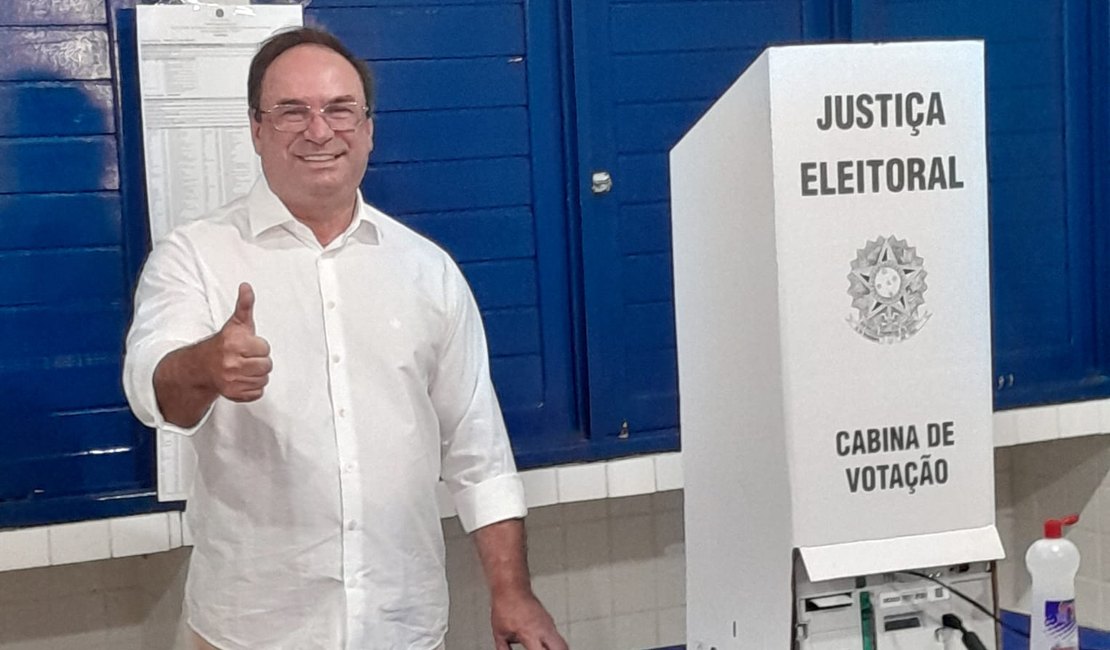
point(1053, 562)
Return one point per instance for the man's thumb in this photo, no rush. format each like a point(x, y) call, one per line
point(244, 306)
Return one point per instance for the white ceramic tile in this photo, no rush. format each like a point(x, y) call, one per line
point(24, 548)
point(545, 517)
point(140, 535)
point(670, 578)
point(125, 617)
point(175, 529)
point(1103, 559)
point(671, 500)
point(1089, 550)
point(589, 594)
point(672, 626)
point(541, 487)
point(452, 528)
point(463, 566)
point(587, 544)
point(80, 542)
point(1103, 414)
point(462, 630)
point(641, 504)
point(1005, 428)
point(670, 532)
point(1104, 611)
point(186, 532)
point(547, 550)
point(632, 538)
point(1003, 459)
point(1008, 587)
point(1103, 517)
point(591, 634)
point(83, 627)
point(22, 625)
point(552, 592)
point(1088, 603)
point(582, 482)
point(584, 511)
point(630, 476)
point(1079, 419)
point(1003, 493)
point(1037, 423)
point(668, 471)
point(638, 631)
point(444, 500)
point(633, 586)
point(1089, 505)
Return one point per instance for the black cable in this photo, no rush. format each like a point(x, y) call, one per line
point(969, 599)
point(1023, 634)
point(971, 640)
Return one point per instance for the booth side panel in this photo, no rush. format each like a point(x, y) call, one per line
point(738, 540)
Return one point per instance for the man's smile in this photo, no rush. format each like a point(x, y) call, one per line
point(319, 157)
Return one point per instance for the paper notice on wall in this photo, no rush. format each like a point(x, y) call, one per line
point(193, 62)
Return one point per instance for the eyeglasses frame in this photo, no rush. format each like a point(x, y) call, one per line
point(363, 111)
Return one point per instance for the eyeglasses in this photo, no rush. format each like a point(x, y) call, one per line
point(295, 118)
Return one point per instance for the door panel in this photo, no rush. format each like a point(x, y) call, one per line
point(1039, 134)
point(644, 73)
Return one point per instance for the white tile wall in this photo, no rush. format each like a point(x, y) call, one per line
point(132, 603)
point(611, 570)
point(630, 476)
point(1051, 479)
point(1037, 424)
point(120, 537)
point(80, 542)
point(24, 548)
point(582, 482)
point(140, 534)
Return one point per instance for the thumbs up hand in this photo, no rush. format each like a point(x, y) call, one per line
point(239, 362)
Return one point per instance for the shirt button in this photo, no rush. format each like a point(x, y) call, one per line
point(335, 358)
point(352, 583)
point(331, 304)
point(352, 524)
point(342, 413)
point(349, 468)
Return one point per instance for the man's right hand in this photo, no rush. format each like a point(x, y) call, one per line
point(238, 360)
point(234, 362)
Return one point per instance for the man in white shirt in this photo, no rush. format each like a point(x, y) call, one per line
point(331, 366)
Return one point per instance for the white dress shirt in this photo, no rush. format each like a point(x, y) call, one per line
point(314, 510)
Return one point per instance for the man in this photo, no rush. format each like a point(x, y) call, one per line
point(331, 367)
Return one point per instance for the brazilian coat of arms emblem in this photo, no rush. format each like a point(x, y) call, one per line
point(887, 286)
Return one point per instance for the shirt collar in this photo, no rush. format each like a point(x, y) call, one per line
point(265, 211)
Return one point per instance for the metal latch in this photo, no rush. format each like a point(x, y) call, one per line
point(602, 182)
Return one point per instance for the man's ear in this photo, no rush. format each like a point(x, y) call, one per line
point(256, 128)
point(370, 131)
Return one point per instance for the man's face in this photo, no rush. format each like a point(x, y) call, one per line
point(318, 163)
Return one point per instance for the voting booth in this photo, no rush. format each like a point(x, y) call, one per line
point(833, 323)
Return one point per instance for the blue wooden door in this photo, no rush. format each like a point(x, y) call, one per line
point(468, 150)
point(69, 448)
point(644, 72)
point(1040, 163)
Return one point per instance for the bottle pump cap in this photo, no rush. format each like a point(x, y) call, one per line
point(1054, 528)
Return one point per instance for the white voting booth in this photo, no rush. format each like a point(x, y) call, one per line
point(833, 322)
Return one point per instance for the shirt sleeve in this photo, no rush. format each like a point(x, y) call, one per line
point(171, 312)
point(477, 461)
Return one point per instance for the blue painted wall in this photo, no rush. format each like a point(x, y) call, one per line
point(492, 116)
